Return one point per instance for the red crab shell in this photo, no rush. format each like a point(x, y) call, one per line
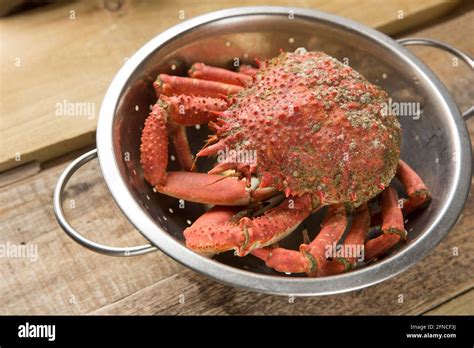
point(317, 126)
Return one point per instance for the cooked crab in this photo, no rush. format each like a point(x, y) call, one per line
point(317, 132)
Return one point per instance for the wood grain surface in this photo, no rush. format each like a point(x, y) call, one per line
point(68, 279)
point(460, 305)
point(69, 52)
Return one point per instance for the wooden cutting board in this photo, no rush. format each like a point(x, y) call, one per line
point(69, 52)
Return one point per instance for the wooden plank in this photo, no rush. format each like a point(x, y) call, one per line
point(65, 278)
point(460, 305)
point(19, 173)
point(69, 53)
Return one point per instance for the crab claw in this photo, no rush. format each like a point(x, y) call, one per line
point(212, 189)
point(214, 232)
point(246, 234)
point(154, 145)
point(311, 257)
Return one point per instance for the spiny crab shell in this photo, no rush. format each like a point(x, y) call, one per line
point(317, 126)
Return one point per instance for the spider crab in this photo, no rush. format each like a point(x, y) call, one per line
point(321, 137)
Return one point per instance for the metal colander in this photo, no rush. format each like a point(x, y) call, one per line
point(436, 145)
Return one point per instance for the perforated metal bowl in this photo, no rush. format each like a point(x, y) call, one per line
point(436, 145)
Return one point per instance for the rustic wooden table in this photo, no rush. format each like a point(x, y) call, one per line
point(67, 279)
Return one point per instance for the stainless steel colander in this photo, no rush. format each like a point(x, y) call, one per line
point(437, 144)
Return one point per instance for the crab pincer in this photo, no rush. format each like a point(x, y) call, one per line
point(245, 234)
point(311, 258)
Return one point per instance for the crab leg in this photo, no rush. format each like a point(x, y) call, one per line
point(248, 70)
point(181, 145)
point(176, 85)
point(417, 191)
point(167, 112)
point(247, 234)
point(355, 239)
point(331, 232)
point(393, 228)
point(189, 110)
point(206, 72)
point(311, 257)
point(185, 110)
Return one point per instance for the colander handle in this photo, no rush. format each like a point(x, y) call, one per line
point(66, 226)
point(445, 47)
